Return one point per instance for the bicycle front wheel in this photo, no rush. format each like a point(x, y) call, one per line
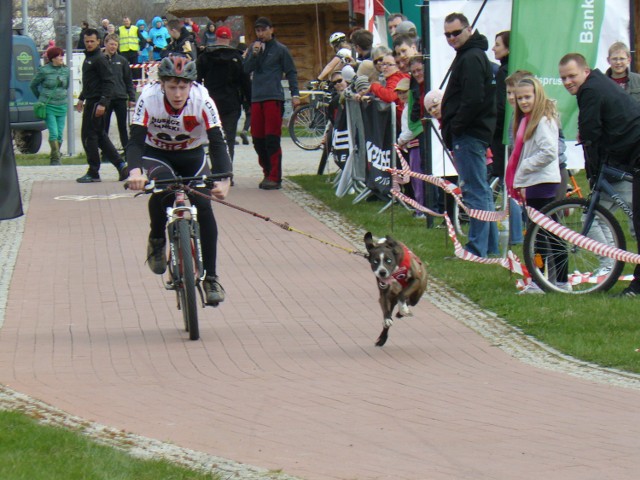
point(307, 127)
point(187, 287)
point(552, 261)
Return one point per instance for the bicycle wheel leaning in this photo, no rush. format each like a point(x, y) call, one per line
point(187, 284)
point(460, 217)
point(550, 259)
point(307, 127)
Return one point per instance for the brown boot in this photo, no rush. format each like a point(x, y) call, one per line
point(55, 153)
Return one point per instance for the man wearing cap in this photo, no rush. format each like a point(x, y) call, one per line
point(220, 70)
point(468, 122)
point(269, 60)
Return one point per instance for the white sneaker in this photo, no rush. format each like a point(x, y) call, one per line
point(602, 271)
point(532, 288)
point(566, 286)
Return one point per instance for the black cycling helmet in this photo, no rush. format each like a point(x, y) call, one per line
point(175, 66)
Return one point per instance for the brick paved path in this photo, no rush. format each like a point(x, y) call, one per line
point(286, 375)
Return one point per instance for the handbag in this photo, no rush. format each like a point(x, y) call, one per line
point(40, 108)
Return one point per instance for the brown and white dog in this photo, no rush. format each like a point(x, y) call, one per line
point(401, 278)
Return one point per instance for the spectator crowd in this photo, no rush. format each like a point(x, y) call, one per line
point(469, 113)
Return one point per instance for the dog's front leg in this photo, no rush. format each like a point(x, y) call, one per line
point(387, 319)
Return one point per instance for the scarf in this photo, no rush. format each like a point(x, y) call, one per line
point(514, 159)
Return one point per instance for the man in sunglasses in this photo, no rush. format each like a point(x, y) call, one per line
point(468, 122)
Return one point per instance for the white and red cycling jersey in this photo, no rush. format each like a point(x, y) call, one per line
point(170, 130)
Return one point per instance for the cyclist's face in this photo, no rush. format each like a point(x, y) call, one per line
point(177, 92)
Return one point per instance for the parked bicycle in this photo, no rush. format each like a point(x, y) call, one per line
point(546, 255)
point(186, 271)
point(461, 219)
point(309, 122)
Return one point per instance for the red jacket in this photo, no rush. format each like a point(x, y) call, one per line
point(388, 93)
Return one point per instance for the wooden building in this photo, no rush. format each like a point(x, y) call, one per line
point(303, 26)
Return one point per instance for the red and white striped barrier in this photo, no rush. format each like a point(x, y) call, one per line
point(511, 262)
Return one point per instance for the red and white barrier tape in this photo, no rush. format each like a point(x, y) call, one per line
point(511, 262)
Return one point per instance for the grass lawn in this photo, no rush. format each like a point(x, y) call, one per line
point(33, 451)
point(42, 159)
point(595, 328)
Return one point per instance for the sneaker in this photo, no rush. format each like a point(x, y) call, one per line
point(531, 289)
point(270, 185)
point(244, 137)
point(213, 291)
point(629, 292)
point(157, 255)
point(88, 178)
point(566, 286)
point(419, 215)
point(123, 172)
point(602, 271)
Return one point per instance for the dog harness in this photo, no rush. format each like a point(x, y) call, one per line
point(401, 273)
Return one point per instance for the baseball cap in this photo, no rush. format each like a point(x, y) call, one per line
point(223, 32)
point(263, 22)
point(403, 85)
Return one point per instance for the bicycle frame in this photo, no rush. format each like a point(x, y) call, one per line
point(181, 210)
point(603, 185)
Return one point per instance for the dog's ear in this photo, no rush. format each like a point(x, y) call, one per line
point(368, 241)
point(395, 246)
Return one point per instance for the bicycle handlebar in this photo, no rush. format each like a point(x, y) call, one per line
point(206, 180)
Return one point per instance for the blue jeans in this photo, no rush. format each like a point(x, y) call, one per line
point(471, 161)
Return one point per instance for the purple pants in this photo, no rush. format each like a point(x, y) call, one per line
point(415, 164)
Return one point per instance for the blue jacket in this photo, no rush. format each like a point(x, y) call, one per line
point(268, 68)
point(159, 36)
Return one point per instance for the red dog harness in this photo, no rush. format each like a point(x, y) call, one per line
point(401, 273)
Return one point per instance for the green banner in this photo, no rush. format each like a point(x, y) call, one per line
point(542, 32)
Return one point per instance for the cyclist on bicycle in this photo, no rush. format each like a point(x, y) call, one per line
point(343, 55)
point(174, 118)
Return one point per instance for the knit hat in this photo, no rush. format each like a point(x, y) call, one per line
point(223, 32)
point(406, 27)
point(434, 97)
point(348, 73)
point(361, 83)
point(53, 52)
point(367, 69)
point(403, 85)
point(263, 22)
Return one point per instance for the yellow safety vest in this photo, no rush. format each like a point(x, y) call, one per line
point(128, 38)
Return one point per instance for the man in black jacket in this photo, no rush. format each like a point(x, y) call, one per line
point(220, 71)
point(468, 122)
point(124, 94)
point(609, 128)
point(97, 89)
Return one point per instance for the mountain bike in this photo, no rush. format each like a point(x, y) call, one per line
point(185, 269)
point(546, 255)
point(309, 122)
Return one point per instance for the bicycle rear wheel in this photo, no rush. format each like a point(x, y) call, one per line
point(307, 127)
point(549, 258)
point(187, 286)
